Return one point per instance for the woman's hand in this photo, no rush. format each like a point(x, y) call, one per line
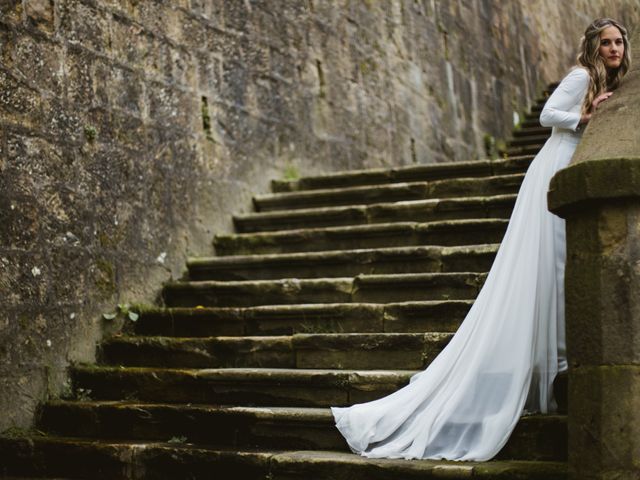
point(599, 99)
point(584, 119)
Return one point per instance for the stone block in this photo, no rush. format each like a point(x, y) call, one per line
point(603, 303)
point(129, 128)
point(26, 279)
point(21, 220)
point(156, 62)
point(209, 73)
point(39, 60)
point(77, 275)
point(22, 388)
point(286, 320)
point(129, 43)
point(58, 122)
point(101, 280)
point(12, 10)
point(604, 422)
point(19, 103)
point(175, 462)
point(41, 14)
point(425, 316)
point(126, 90)
point(361, 351)
point(24, 156)
point(85, 24)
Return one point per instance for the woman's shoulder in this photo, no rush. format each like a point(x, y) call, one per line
point(578, 72)
point(577, 76)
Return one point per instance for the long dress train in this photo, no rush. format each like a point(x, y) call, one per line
point(505, 355)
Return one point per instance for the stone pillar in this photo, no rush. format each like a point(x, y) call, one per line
point(599, 196)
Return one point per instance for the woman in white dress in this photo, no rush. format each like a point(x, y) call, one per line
point(505, 356)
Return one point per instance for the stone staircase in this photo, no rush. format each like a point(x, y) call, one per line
point(335, 291)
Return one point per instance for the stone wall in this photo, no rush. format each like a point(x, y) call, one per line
point(130, 130)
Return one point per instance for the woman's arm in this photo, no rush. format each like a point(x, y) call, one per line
point(584, 119)
point(569, 93)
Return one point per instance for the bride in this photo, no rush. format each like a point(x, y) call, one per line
point(508, 350)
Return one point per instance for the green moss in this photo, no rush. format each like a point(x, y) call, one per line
point(291, 173)
point(206, 118)
point(178, 440)
point(105, 240)
point(326, 327)
point(24, 320)
point(368, 66)
point(106, 278)
point(489, 142)
point(90, 132)
point(501, 145)
point(321, 81)
point(112, 237)
point(142, 308)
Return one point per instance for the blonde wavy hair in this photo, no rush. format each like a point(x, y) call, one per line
point(601, 79)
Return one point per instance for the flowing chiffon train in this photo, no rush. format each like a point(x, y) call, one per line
point(504, 357)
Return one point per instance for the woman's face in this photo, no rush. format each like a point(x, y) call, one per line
point(611, 47)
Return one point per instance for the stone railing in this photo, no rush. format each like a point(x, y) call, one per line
point(599, 196)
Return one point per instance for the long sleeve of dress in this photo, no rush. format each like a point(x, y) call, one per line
point(560, 110)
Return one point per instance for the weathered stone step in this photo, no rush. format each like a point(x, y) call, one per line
point(363, 288)
point(400, 234)
point(527, 141)
point(531, 121)
point(474, 258)
point(396, 192)
point(525, 150)
point(370, 351)
point(532, 116)
point(416, 317)
point(497, 206)
point(239, 386)
point(250, 386)
point(532, 130)
point(4, 477)
point(414, 173)
point(535, 437)
point(86, 458)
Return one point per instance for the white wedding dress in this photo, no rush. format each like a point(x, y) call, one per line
point(504, 357)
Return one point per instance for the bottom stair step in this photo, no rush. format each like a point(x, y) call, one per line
point(77, 458)
point(536, 437)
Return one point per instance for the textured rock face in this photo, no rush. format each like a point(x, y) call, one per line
point(130, 130)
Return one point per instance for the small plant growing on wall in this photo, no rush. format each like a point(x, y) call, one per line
point(291, 173)
point(124, 311)
point(121, 319)
point(91, 133)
